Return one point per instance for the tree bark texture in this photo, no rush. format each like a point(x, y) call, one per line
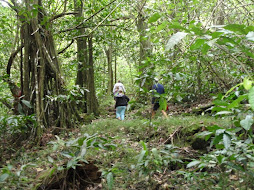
point(92, 102)
point(41, 78)
point(145, 46)
point(110, 70)
point(82, 57)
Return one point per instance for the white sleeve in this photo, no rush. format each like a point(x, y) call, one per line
point(123, 88)
point(114, 88)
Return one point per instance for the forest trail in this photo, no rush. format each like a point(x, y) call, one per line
point(197, 108)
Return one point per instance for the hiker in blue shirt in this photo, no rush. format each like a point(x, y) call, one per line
point(159, 88)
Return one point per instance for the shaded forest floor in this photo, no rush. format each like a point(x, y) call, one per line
point(137, 153)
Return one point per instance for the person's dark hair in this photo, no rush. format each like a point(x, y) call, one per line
point(119, 81)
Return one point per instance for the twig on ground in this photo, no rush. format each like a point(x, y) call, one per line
point(170, 138)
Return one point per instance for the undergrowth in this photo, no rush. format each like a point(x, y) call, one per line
point(117, 148)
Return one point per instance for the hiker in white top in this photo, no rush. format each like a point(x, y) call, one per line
point(117, 87)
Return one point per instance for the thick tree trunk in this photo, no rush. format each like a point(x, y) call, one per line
point(145, 46)
point(81, 79)
point(41, 78)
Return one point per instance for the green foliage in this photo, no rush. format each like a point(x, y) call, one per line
point(175, 39)
point(76, 150)
point(251, 97)
point(232, 146)
point(156, 160)
point(154, 18)
point(110, 180)
point(5, 173)
point(17, 124)
point(14, 179)
point(204, 48)
point(109, 176)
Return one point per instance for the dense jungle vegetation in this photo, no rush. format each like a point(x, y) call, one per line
point(59, 61)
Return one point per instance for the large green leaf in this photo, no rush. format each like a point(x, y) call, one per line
point(227, 41)
point(83, 151)
point(220, 103)
point(224, 113)
point(250, 36)
point(251, 97)
point(206, 134)
point(175, 39)
point(247, 122)
point(236, 102)
point(27, 103)
point(217, 139)
point(196, 30)
point(216, 34)
point(198, 43)
point(205, 48)
point(193, 163)
point(142, 155)
point(110, 180)
point(213, 128)
point(162, 26)
point(163, 104)
point(247, 83)
point(249, 28)
point(154, 18)
point(248, 53)
point(226, 140)
point(3, 177)
point(236, 28)
point(177, 25)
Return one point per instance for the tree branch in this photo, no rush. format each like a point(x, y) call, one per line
point(63, 50)
point(139, 12)
point(76, 27)
point(121, 18)
point(61, 15)
point(99, 23)
point(10, 61)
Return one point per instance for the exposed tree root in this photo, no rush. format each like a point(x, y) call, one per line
point(83, 177)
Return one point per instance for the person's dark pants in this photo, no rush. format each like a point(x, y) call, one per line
point(156, 106)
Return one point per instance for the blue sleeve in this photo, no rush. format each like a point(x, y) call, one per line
point(155, 87)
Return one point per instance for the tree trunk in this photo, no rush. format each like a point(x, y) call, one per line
point(110, 70)
point(42, 82)
point(218, 17)
point(115, 67)
point(145, 47)
point(81, 79)
point(92, 102)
